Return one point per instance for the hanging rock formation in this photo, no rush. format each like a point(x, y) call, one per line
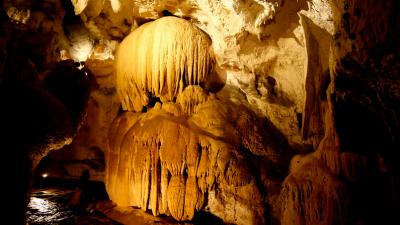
point(161, 58)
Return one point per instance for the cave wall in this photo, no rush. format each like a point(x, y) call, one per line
point(351, 178)
point(38, 113)
point(87, 149)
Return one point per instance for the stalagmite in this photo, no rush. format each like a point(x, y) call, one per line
point(176, 196)
point(170, 163)
point(311, 194)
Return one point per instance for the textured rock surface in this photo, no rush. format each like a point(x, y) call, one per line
point(282, 64)
point(37, 113)
point(258, 46)
point(173, 162)
point(86, 152)
point(177, 56)
point(318, 42)
point(352, 178)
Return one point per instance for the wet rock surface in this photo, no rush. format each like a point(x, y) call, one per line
point(51, 206)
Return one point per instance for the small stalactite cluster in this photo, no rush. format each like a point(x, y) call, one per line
point(161, 58)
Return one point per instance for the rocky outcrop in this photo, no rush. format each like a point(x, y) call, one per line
point(34, 122)
point(352, 178)
point(86, 151)
point(317, 79)
point(38, 111)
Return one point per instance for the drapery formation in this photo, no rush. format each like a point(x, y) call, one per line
point(175, 163)
point(160, 59)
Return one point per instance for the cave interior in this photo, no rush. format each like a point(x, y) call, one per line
point(203, 112)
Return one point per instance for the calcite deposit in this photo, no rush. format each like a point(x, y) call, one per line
point(176, 56)
point(169, 160)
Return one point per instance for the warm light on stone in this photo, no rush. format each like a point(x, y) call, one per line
point(19, 15)
point(79, 5)
point(178, 55)
point(81, 50)
point(116, 5)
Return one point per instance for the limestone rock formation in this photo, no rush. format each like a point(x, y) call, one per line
point(175, 163)
point(318, 42)
point(351, 177)
point(188, 149)
point(258, 46)
point(177, 56)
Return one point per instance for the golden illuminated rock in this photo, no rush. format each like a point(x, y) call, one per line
point(170, 158)
point(258, 46)
point(162, 58)
point(167, 163)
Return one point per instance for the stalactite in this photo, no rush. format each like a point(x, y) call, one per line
point(177, 56)
point(164, 187)
point(155, 174)
point(202, 171)
point(193, 198)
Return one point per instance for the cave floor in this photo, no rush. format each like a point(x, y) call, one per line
point(50, 205)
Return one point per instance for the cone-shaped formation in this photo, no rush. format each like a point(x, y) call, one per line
point(162, 58)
